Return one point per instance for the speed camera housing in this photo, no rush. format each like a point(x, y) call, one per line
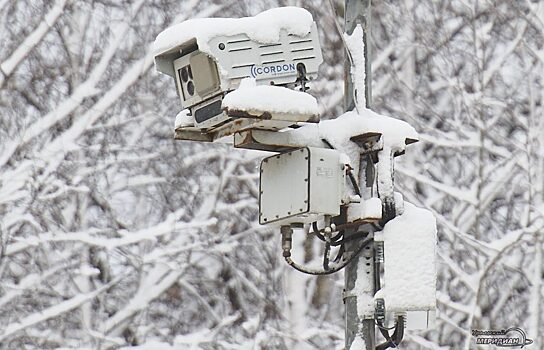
point(206, 67)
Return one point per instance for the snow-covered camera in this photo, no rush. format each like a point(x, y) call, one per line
point(209, 57)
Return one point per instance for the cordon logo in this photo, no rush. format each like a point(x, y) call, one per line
point(278, 69)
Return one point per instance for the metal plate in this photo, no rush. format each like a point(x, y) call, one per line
point(284, 186)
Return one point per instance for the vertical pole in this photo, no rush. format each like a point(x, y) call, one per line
point(359, 274)
point(357, 12)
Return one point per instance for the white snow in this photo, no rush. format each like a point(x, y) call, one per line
point(394, 131)
point(358, 343)
point(399, 203)
point(356, 46)
point(384, 171)
point(364, 290)
point(274, 99)
point(338, 132)
point(371, 208)
point(409, 266)
point(183, 119)
point(264, 28)
point(154, 345)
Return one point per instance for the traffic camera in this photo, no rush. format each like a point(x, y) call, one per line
point(209, 57)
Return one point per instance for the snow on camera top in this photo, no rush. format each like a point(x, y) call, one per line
point(252, 98)
point(264, 28)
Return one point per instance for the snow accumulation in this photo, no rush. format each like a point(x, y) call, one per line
point(338, 132)
point(358, 343)
point(183, 119)
point(370, 208)
point(255, 99)
point(264, 28)
point(409, 265)
point(356, 47)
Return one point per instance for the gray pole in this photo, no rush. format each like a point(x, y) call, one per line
point(358, 12)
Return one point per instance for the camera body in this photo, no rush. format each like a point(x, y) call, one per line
point(207, 66)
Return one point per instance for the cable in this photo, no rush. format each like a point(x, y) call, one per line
point(334, 269)
point(317, 231)
point(350, 173)
point(325, 141)
point(340, 32)
point(350, 238)
point(394, 340)
point(380, 325)
point(340, 254)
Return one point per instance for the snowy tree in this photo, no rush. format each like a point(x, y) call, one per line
point(468, 75)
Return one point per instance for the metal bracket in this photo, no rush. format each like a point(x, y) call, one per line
point(372, 142)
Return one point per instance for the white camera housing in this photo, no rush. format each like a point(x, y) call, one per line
point(206, 64)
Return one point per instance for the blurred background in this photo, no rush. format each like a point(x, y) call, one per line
point(113, 235)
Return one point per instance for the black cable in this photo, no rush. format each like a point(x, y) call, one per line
point(325, 141)
point(354, 183)
point(338, 236)
point(348, 239)
point(340, 254)
point(350, 174)
point(316, 231)
point(394, 340)
point(380, 325)
point(334, 269)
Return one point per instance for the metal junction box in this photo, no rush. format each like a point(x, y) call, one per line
point(301, 186)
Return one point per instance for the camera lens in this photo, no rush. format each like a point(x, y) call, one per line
point(190, 72)
point(191, 88)
point(184, 74)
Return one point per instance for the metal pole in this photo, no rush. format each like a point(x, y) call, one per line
point(358, 12)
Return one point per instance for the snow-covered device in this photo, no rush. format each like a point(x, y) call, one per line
point(409, 285)
point(209, 57)
point(301, 186)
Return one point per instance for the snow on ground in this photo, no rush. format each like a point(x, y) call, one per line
point(264, 28)
point(274, 99)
